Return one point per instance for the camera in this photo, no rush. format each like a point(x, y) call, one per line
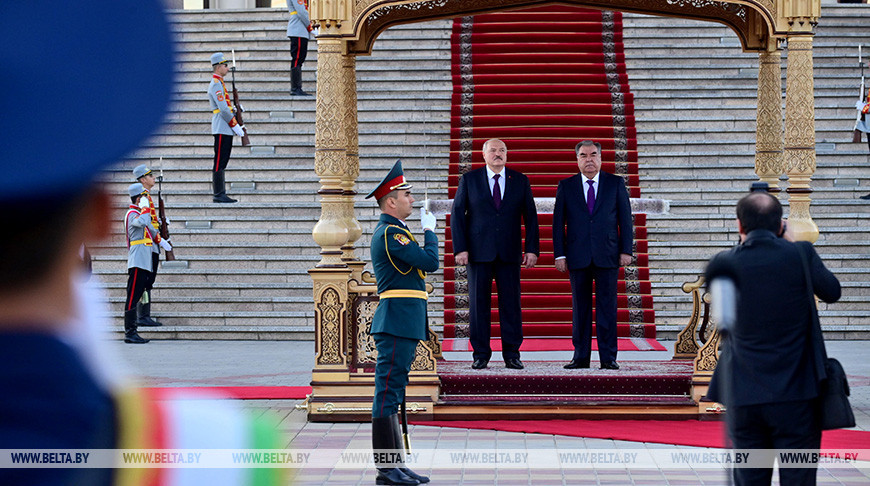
point(759, 186)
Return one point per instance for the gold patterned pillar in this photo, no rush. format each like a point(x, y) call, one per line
point(330, 152)
point(800, 135)
point(348, 73)
point(768, 131)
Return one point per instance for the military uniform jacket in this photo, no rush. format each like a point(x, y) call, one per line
point(141, 236)
point(219, 101)
point(154, 221)
point(299, 21)
point(401, 264)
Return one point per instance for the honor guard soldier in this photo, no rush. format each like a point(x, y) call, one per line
point(143, 308)
point(141, 237)
point(399, 323)
point(223, 125)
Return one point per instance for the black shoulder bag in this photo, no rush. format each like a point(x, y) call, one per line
point(836, 412)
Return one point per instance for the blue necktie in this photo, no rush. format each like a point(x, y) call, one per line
point(496, 192)
point(590, 197)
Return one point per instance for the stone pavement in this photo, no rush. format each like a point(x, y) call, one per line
point(289, 363)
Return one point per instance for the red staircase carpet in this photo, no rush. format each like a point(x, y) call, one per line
point(555, 344)
point(694, 433)
point(541, 80)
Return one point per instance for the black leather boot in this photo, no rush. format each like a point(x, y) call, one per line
point(220, 190)
point(143, 313)
point(384, 450)
point(399, 442)
point(296, 82)
point(130, 334)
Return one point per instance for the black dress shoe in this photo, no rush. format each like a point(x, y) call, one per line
point(611, 365)
point(514, 364)
point(865, 197)
point(575, 364)
point(479, 364)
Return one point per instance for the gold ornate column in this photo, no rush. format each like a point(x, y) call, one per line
point(768, 131)
point(330, 153)
point(800, 136)
point(348, 73)
point(331, 275)
point(798, 18)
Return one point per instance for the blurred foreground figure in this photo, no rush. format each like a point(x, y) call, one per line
point(61, 387)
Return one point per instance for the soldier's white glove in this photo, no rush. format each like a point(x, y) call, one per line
point(143, 202)
point(238, 130)
point(859, 105)
point(427, 219)
point(165, 245)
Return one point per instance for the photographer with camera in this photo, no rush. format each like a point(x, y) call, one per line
point(769, 382)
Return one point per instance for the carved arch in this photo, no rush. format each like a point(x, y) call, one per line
point(754, 21)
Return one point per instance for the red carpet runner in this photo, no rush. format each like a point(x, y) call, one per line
point(541, 80)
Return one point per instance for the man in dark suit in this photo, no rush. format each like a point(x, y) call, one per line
point(491, 205)
point(592, 238)
point(399, 323)
point(771, 386)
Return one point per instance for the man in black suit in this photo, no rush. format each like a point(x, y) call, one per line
point(490, 206)
point(592, 238)
point(771, 386)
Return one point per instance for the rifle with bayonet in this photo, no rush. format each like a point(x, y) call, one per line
point(161, 214)
point(245, 140)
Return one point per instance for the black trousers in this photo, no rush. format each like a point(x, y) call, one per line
point(298, 51)
point(783, 425)
point(507, 282)
point(223, 146)
point(137, 280)
point(155, 263)
point(605, 311)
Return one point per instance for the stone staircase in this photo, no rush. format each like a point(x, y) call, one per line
point(242, 269)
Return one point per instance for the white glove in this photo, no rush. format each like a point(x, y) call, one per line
point(239, 130)
point(427, 219)
point(143, 202)
point(165, 245)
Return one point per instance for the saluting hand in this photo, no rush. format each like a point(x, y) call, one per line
point(427, 220)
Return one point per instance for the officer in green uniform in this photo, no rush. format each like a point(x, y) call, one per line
point(400, 265)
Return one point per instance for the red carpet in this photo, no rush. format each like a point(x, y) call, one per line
point(248, 392)
point(542, 79)
point(551, 344)
point(685, 432)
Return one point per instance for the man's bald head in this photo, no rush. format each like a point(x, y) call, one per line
point(759, 210)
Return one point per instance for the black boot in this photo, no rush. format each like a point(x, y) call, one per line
point(296, 82)
point(382, 445)
point(220, 190)
point(399, 442)
point(130, 334)
point(143, 312)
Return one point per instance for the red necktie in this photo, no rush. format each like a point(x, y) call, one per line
point(590, 197)
point(496, 192)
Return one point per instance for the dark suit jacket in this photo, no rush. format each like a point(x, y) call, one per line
point(770, 349)
point(487, 234)
point(598, 238)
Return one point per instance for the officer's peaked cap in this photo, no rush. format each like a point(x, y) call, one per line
point(135, 189)
point(67, 128)
point(140, 170)
point(218, 58)
point(394, 180)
